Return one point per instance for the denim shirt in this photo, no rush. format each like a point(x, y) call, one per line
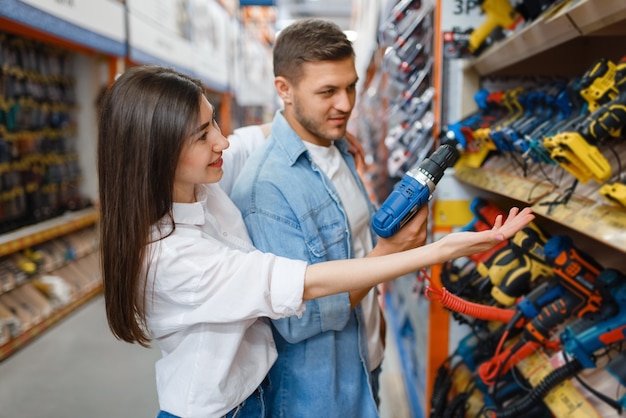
point(292, 209)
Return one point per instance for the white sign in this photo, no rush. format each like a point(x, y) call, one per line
point(170, 16)
point(462, 14)
point(255, 86)
point(104, 17)
point(211, 35)
point(150, 38)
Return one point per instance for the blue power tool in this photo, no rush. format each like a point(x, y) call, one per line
point(413, 191)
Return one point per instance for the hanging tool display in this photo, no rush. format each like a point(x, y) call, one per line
point(576, 273)
point(408, 61)
point(615, 192)
point(511, 283)
point(508, 270)
point(500, 15)
point(582, 340)
point(576, 149)
point(503, 17)
point(581, 288)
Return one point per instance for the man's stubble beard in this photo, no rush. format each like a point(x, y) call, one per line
point(312, 126)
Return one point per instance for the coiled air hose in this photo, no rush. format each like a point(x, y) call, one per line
point(539, 392)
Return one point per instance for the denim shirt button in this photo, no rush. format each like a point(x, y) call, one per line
point(225, 234)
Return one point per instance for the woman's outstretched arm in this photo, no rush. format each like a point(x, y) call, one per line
point(345, 275)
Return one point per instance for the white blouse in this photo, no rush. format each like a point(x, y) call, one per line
point(207, 289)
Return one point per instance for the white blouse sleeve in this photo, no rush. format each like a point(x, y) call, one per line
point(215, 284)
point(243, 141)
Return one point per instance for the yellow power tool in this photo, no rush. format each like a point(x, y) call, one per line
point(500, 15)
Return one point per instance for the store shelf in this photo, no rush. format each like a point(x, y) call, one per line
point(22, 339)
point(504, 183)
point(541, 35)
point(44, 231)
point(583, 210)
point(98, 25)
point(561, 45)
point(559, 41)
point(603, 222)
point(599, 17)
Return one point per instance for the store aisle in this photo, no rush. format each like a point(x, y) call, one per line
point(78, 369)
point(393, 399)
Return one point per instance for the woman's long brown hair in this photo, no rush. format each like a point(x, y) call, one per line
point(144, 118)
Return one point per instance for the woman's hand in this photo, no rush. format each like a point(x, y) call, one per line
point(468, 243)
point(515, 221)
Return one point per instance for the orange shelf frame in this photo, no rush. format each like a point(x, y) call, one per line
point(44, 231)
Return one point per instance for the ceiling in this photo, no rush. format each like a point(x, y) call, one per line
point(338, 11)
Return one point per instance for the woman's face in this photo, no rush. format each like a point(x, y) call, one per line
point(200, 160)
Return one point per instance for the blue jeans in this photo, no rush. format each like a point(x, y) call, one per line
point(252, 407)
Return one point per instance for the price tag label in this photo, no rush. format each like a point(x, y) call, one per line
point(564, 400)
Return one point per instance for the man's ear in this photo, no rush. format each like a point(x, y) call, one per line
point(283, 88)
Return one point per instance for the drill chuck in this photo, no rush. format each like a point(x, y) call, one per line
point(413, 191)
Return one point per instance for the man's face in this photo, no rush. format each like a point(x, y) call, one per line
point(319, 106)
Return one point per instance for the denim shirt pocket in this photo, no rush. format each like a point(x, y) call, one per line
point(326, 240)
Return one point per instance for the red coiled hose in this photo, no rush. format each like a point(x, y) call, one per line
point(475, 310)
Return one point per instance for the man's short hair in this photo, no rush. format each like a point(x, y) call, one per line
point(308, 40)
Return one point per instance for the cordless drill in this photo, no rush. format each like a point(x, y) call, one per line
point(582, 340)
point(529, 267)
point(575, 148)
point(615, 192)
point(413, 191)
point(593, 332)
point(576, 293)
point(577, 273)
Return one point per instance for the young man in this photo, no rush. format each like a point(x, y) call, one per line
point(301, 197)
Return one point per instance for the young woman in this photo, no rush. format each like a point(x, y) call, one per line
point(178, 265)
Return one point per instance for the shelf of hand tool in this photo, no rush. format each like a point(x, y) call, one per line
point(48, 224)
point(560, 45)
point(397, 129)
point(561, 41)
point(597, 31)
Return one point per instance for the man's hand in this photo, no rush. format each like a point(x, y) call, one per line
point(357, 151)
point(266, 128)
point(411, 235)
